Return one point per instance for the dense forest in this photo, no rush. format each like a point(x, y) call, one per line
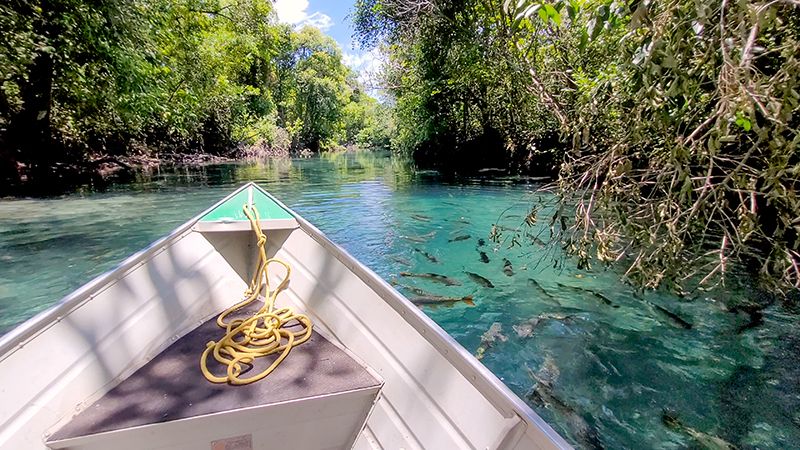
point(83, 82)
point(672, 126)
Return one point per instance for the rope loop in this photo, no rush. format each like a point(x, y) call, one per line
point(263, 334)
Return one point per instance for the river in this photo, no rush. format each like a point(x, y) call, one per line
point(608, 359)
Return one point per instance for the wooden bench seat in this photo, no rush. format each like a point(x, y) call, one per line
point(171, 387)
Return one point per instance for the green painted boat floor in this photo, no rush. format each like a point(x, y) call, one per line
point(231, 209)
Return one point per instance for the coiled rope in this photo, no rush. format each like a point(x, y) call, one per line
point(261, 334)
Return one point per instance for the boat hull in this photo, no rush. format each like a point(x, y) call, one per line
point(436, 395)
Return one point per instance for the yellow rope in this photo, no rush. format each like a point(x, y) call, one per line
point(262, 334)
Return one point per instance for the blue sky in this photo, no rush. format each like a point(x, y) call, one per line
point(331, 17)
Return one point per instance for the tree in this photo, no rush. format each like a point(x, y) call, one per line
point(672, 126)
point(82, 80)
point(322, 91)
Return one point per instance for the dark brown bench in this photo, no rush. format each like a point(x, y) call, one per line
point(172, 387)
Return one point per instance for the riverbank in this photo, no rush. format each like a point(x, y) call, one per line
point(97, 170)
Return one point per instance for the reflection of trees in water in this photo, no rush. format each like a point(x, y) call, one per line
point(340, 167)
point(363, 165)
point(269, 170)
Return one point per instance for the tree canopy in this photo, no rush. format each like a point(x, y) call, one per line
point(672, 127)
point(82, 78)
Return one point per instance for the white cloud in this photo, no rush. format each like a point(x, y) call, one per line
point(295, 12)
point(353, 60)
point(369, 67)
point(319, 20)
point(371, 60)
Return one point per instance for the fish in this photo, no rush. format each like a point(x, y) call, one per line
point(433, 277)
point(481, 242)
point(484, 258)
point(542, 293)
point(422, 238)
point(678, 320)
point(603, 299)
point(489, 338)
point(538, 287)
point(525, 329)
point(670, 420)
point(462, 237)
point(754, 314)
point(506, 228)
point(427, 255)
point(402, 261)
point(539, 242)
point(412, 289)
point(440, 300)
point(543, 394)
point(423, 297)
point(508, 269)
point(420, 217)
point(479, 279)
point(573, 288)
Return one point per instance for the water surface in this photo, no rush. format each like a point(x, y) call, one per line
point(602, 369)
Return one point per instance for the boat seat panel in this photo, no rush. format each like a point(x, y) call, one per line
point(171, 386)
point(229, 216)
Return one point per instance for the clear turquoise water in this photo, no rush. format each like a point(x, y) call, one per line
point(618, 366)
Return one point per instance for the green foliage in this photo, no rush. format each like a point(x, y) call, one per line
point(457, 84)
point(675, 123)
point(684, 160)
point(82, 77)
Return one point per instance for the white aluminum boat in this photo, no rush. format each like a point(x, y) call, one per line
point(115, 365)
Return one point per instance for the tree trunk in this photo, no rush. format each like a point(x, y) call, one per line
point(29, 131)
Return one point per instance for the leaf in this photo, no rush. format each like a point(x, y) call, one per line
point(584, 40)
point(743, 122)
point(572, 11)
point(543, 14)
point(552, 14)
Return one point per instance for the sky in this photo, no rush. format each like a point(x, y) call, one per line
point(331, 16)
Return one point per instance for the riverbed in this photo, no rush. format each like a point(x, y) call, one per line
point(604, 364)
